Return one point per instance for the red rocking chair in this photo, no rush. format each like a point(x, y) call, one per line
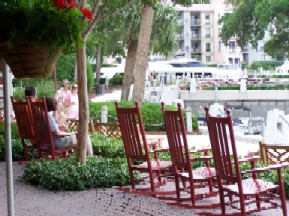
point(200, 179)
point(249, 195)
point(25, 128)
point(43, 132)
point(138, 153)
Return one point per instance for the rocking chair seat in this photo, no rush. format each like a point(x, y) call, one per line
point(252, 186)
point(201, 173)
point(156, 165)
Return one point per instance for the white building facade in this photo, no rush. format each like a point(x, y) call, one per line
point(199, 36)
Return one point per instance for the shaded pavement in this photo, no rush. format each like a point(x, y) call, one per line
point(32, 201)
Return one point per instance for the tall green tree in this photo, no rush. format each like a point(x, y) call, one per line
point(99, 12)
point(251, 18)
point(163, 38)
point(141, 58)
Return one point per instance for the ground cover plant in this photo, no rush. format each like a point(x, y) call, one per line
point(106, 169)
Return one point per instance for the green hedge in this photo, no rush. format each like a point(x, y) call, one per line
point(151, 113)
point(116, 80)
point(266, 65)
point(107, 146)
point(251, 87)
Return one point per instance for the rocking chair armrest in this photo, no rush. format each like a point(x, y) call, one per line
point(265, 169)
point(204, 150)
point(202, 158)
point(159, 150)
point(249, 159)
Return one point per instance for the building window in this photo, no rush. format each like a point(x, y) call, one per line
point(207, 19)
point(208, 59)
point(195, 33)
point(180, 15)
point(208, 47)
point(232, 46)
point(207, 32)
point(219, 16)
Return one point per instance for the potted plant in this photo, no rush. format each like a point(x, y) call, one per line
point(33, 32)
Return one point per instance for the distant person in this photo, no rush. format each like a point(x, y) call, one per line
point(61, 97)
point(70, 139)
point(72, 100)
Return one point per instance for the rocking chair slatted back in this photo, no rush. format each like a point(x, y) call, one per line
point(176, 134)
point(222, 141)
point(137, 150)
point(42, 126)
point(132, 131)
point(24, 120)
point(25, 125)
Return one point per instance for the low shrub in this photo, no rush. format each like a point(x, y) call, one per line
point(116, 80)
point(266, 65)
point(107, 146)
point(69, 175)
point(17, 149)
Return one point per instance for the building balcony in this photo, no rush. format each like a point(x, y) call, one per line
point(180, 36)
point(196, 50)
point(181, 21)
point(245, 49)
point(195, 22)
point(196, 37)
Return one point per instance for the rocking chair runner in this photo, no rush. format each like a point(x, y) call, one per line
point(25, 127)
point(43, 132)
point(138, 153)
point(242, 192)
point(198, 178)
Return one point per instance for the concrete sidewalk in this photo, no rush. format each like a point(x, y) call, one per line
point(31, 201)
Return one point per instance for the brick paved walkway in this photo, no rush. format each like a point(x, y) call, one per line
point(31, 201)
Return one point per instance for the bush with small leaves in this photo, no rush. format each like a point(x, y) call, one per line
point(69, 175)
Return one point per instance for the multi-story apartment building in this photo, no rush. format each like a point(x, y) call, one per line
point(199, 36)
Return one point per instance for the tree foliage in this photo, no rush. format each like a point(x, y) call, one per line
point(252, 18)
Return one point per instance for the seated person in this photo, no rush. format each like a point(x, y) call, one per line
point(32, 93)
point(70, 139)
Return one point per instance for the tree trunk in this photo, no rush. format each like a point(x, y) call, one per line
point(98, 63)
point(83, 104)
point(75, 72)
point(129, 69)
point(142, 53)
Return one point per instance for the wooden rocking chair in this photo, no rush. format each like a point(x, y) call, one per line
point(138, 153)
point(249, 195)
point(43, 132)
point(25, 128)
point(200, 179)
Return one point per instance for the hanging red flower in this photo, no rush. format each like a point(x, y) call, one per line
point(86, 13)
point(59, 4)
point(71, 3)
